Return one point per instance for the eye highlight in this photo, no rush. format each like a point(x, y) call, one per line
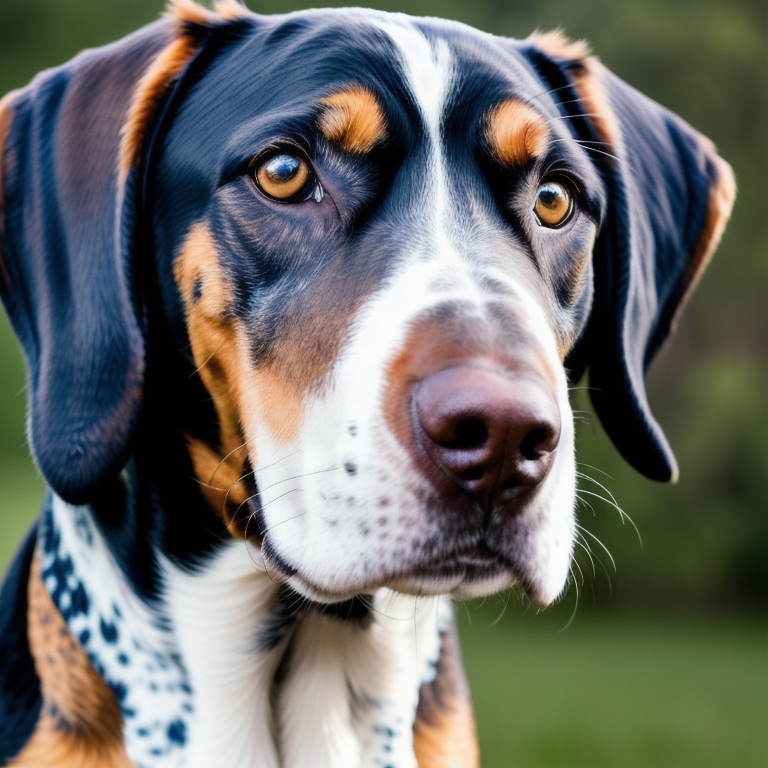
point(282, 176)
point(553, 206)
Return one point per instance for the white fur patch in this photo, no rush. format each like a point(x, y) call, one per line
point(351, 693)
point(215, 614)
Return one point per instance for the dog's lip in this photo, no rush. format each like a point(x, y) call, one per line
point(473, 571)
point(480, 554)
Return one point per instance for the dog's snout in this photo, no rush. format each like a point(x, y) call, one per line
point(493, 434)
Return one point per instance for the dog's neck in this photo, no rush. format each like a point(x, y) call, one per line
point(218, 670)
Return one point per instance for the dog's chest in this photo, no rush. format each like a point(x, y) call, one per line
point(202, 678)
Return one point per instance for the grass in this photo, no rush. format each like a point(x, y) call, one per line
point(616, 690)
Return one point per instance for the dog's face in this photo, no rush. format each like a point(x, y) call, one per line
point(387, 241)
point(380, 292)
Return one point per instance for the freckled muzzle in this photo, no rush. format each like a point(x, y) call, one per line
point(492, 434)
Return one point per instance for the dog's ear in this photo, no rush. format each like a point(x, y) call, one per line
point(669, 197)
point(74, 146)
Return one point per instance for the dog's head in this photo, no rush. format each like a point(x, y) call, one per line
point(388, 242)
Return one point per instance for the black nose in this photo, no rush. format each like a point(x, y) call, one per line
point(493, 434)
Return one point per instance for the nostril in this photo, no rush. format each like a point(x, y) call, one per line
point(470, 433)
point(538, 441)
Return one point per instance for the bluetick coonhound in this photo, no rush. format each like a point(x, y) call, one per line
point(300, 297)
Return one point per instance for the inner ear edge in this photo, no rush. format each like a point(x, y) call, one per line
point(722, 195)
point(148, 98)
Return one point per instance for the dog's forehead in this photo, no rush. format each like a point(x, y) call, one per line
point(430, 78)
point(430, 64)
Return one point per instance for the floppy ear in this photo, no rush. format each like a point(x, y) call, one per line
point(74, 146)
point(669, 197)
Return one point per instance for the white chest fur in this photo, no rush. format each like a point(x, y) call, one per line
point(196, 684)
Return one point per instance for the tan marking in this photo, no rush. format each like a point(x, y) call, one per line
point(722, 195)
point(147, 99)
point(558, 46)
point(221, 481)
point(517, 133)
point(242, 394)
point(353, 119)
point(451, 742)
point(6, 120)
point(190, 12)
point(281, 405)
point(221, 353)
point(80, 722)
point(217, 353)
point(589, 87)
point(231, 10)
point(444, 734)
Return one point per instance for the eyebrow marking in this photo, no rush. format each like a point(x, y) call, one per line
point(353, 119)
point(516, 132)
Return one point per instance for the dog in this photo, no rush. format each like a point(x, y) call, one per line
point(300, 298)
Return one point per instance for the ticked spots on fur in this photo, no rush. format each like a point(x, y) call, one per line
point(125, 640)
point(517, 133)
point(353, 119)
point(80, 720)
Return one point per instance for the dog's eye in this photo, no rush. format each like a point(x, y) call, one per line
point(282, 176)
point(554, 204)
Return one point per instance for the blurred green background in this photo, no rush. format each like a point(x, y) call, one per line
point(662, 660)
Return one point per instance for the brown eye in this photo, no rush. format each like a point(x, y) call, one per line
point(554, 204)
point(282, 176)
